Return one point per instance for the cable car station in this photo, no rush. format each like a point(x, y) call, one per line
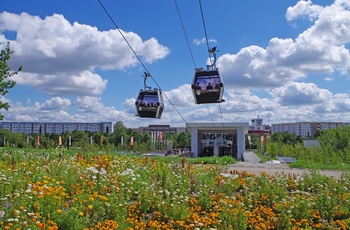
point(218, 139)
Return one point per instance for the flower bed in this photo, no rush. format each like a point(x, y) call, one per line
point(87, 191)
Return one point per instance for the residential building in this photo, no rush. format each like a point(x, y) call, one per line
point(56, 127)
point(306, 129)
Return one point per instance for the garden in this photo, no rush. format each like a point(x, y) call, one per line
point(60, 189)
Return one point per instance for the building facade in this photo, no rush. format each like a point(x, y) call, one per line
point(306, 129)
point(257, 127)
point(218, 139)
point(161, 128)
point(56, 127)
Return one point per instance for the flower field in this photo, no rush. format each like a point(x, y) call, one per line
point(55, 190)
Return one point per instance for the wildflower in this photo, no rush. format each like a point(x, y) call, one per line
point(90, 207)
point(16, 212)
point(59, 211)
point(2, 214)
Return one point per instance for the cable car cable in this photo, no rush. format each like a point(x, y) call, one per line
point(205, 30)
point(189, 47)
point(127, 42)
point(222, 119)
point(210, 50)
point(138, 58)
point(183, 29)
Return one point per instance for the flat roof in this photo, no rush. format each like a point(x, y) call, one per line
point(220, 126)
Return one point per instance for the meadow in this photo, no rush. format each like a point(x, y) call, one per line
point(56, 189)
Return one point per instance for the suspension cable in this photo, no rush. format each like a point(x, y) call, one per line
point(209, 50)
point(222, 119)
point(205, 31)
point(139, 59)
point(183, 29)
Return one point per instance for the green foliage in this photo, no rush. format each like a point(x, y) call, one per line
point(5, 73)
point(333, 152)
point(110, 142)
point(255, 142)
point(287, 138)
point(336, 143)
point(184, 140)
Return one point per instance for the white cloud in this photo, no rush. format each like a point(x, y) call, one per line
point(329, 78)
point(338, 104)
point(303, 9)
point(181, 96)
point(75, 84)
point(319, 49)
point(300, 94)
point(56, 103)
point(59, 55)
point(203, 41)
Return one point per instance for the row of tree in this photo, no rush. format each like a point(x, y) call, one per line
point(334, 146)
point(118, 140)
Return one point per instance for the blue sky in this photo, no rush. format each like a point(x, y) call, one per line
point(286, 61)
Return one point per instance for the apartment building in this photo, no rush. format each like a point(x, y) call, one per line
point(306, 129)
point(56, 127)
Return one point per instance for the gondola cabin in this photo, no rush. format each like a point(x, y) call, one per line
point(207, 86)
point(149, 103)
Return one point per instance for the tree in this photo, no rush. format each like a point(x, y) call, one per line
point(5, 73)
point(184, 140)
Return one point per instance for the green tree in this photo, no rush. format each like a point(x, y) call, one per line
point(184, 140)
point(5, 73)
point(287, 138)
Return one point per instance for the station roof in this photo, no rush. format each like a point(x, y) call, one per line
point(218, 126)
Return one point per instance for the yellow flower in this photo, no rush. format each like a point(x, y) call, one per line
point(81, 214)
point(59, 211)
point(90, 207)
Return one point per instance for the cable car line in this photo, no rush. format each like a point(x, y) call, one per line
point(189, 47)
point(127, 42)
point(205, 30)
point(147, 74)
point(212, 51)
point(183, 29)
point(207, 85)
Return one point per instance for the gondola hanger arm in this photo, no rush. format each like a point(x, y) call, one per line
point(144, 81)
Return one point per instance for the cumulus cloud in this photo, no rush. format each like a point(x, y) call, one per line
point(303, 8)
point(77, 84)
point(180, 96)
point(51, 110)
point(319, 49)
point(339, 103)
point(301, 93)
point(58, 55)
point(55, 103)
point(243, 100)
point(84, 109)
